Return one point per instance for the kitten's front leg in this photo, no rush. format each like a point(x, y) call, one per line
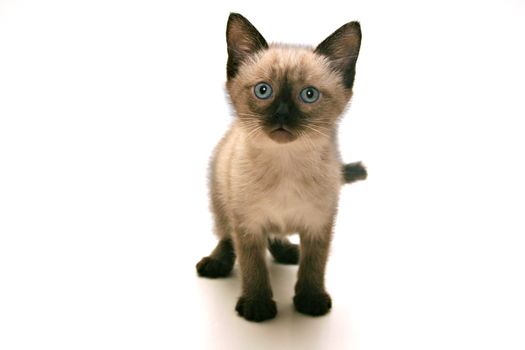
point(255, 302)
point(311, 297)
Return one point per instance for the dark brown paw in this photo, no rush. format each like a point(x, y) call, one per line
point(256, 309)
point(213, 268)
point(284, 253)
point(313, 304)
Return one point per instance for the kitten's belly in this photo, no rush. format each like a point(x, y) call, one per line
point(285, 210)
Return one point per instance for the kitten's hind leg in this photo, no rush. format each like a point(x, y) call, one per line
point(283, 251)
point(220, 262)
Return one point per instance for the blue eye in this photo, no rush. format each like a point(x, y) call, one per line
point(309, 94)
point(263, 91)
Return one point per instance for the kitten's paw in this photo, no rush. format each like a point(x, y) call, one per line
point(213, 268)
point(256, 309)
point(284, 253)
point(288, 255)
point(312, 304)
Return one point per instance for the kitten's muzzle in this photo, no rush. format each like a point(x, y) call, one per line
point(282, 135)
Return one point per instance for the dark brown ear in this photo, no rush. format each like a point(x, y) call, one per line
point(243, 40)
point(342, 49)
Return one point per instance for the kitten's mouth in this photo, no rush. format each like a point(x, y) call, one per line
point(282, 135)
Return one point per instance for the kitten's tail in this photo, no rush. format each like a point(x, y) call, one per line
point(353, 172)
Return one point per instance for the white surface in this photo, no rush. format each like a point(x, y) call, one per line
point(109, 111)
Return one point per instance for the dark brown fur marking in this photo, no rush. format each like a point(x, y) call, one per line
point(342, 48)
point(353, 172)
point(243, 40)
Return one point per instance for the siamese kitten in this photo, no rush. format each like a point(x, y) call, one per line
point(278, 171)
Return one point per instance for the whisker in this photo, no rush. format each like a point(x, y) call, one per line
point(254, 131)
point(307, 140)
point(250, 122)
point(251, 128)
point(317, 131)
point(249, 114)
point(321, 122)
point(323, 128)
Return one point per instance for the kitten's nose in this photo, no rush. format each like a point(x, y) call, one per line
point(283, 108)
point(282, 112)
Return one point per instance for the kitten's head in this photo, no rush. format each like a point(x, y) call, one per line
point(284, 92)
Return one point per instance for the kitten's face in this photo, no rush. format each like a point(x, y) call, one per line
point(284, 93)
point(287, 92)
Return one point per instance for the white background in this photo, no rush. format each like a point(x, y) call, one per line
point(109, 111)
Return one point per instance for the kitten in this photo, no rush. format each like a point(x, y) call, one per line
point(278, 171)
